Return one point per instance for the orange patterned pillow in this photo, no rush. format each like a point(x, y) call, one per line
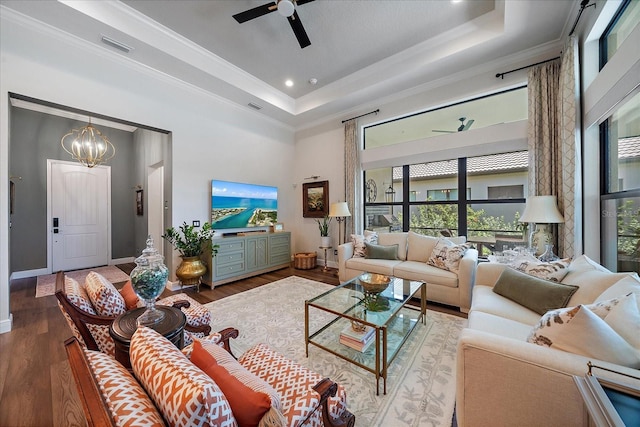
point(129, 296)
point(128, 403)
point(184, 394)
point(105, 298)
point(248, 406)
point(77, 295)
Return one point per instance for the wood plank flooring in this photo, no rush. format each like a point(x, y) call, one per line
point(36, 385)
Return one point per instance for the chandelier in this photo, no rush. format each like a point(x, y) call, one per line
point(88, 146)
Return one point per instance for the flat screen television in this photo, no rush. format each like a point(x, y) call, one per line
point(236, 205)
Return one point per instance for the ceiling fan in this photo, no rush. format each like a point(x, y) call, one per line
point(285, 8)
point(461, 128)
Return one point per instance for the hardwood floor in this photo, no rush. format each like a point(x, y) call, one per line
point(36, 385)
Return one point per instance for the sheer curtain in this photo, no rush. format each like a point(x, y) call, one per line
point(553, 140)
point(352, 178)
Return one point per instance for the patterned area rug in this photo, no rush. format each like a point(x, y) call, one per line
point(421, 384)
point(46, 284)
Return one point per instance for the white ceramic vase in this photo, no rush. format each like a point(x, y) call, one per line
point(325, 241)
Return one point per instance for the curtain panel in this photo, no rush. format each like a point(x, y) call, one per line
point(352, 178)
point(553, 140)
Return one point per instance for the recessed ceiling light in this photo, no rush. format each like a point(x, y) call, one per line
point(289, 83)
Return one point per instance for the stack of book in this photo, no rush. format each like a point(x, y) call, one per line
point(357, 340)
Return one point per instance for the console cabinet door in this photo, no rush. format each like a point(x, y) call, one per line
point(257, 253)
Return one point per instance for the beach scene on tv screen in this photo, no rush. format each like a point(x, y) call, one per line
point(238, 205)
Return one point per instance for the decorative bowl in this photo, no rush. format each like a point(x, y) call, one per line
point(373, 282)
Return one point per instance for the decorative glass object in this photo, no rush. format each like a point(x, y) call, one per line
point(148, 280)
point(548, 255)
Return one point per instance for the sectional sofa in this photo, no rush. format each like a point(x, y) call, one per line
point(504, 380)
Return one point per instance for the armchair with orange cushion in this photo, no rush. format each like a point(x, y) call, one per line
point(204, 384)
point(90, 308)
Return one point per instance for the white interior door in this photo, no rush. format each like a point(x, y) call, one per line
point(79, 215)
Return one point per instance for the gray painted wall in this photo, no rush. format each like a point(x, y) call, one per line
point(34, 138)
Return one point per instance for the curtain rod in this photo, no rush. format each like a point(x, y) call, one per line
point(583, 5)
point(362, 115)
point(526, 66)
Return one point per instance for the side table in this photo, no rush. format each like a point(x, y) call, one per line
point(325, 248)
point(123, 327)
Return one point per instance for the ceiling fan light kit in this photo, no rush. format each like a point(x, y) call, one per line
point(286, 8)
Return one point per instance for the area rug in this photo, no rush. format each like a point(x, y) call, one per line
point(421, 382)
point(46, 284)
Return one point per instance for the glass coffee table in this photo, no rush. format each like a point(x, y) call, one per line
point(387, 313)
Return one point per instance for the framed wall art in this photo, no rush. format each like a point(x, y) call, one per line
point(315, 199)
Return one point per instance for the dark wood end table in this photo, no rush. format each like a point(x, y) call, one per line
point(123, 327)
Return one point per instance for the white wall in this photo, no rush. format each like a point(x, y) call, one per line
point(210, 137)
point(318, 155)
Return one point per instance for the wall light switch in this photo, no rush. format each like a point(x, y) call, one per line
point(196, 223)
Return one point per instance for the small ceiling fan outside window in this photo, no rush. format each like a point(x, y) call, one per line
point(463, 126)
point(286, 8)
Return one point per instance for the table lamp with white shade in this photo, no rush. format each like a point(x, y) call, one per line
point(541, 210)
point(339, 211)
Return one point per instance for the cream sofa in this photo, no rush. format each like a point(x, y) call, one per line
point(502, 380)
point(443, 286)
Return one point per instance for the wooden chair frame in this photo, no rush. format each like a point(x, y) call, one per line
point(81, 318)
point(97, 413)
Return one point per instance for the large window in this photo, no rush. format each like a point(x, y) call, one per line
point(479, 197)
point(620, 201)
point(620, 27)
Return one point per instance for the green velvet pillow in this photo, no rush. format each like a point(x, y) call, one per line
point(536, 294)
point(381, 251)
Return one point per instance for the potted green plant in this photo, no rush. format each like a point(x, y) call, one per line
point(191, 242)
point(323, 226)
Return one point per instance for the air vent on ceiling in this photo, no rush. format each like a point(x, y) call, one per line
point(255, 106)
point(118, 45)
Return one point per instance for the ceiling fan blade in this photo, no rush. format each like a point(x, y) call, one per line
point(254, 13)
point(443, 131)
point(468, 125)
point(301, 2)
point(298, 30)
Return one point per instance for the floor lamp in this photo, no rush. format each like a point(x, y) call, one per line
point(541, 210)
point(339, 211)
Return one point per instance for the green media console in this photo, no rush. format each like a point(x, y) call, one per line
point(248, 255)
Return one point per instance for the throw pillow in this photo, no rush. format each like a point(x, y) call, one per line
point(181, 391)
point(381, 251)
point(536, 294)
point(359, 240)
point(446, 255)
point(624, 318)
point(129, 295)
point(420, 246)
point(591, 278)
point(127, 401)
point(250, 397)
point(554, 270)
point(105, 298)
point(77, 295)
point(579, 330)
point(621, 287)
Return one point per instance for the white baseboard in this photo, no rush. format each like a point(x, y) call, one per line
point(5, 325)
point(28, 273)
